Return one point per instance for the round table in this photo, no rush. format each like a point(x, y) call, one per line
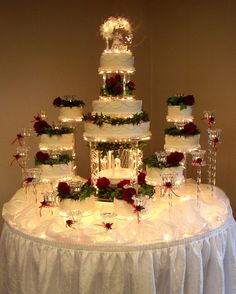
point(188, 249)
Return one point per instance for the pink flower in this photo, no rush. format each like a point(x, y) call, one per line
point(63, 188)
point(128, 194)
point(103, 183)
point(123, 183)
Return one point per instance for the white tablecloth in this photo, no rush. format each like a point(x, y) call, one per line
point(43, 263)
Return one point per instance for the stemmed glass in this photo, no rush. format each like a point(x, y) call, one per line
point(198, 162)
point(168, 183)
point(214, 139)
point(31, 176)
point(49, 202)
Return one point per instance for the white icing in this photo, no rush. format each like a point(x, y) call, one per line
point(122, 61)
point(87, 204)
point(70, 113)
point(182, 143)
point(65, 141)
point(154, 174)
point(116, 175)
point(126, 131)
point(117, 107)
point(56, 171)
point(175, 113)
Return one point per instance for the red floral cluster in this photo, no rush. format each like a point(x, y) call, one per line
point(40, 125)
point(190, 129)
point(42, 156)
point(63, 188)
point(127, 193)
point(114, 85)
point(174, 158)
point(57, 101)
point(188, 100)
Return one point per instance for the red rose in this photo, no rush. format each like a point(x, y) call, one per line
point(111, 81)
point(121, 184)
point(89, 181)
point(103, 183)
point(40, 125)
point(188, 100)
point(190, 129)
point(57, 101)
point(63, 188)
point(128, 194)
point(141, 178)
point(42, 156)
point(118, 89)
point(131, 85)
point(174, 158)
point(118, 78)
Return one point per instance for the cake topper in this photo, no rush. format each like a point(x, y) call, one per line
point(118, 31)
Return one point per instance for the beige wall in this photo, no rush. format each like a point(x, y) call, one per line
point(51, 48)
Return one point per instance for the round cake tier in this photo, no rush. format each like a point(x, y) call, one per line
point(117, 175)
point(70, 113)
point(182, 143)
point(122, 108)
point(154, 174)
point(61, 142)
point(56, 171)
point(175, 113)
point(116, 132)
point(116, 62)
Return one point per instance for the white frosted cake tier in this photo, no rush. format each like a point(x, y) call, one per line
point(154, 174)
point(70, 113)
point(85, 205)
point(111, 61)
point(116, 175)
point(108, 131)
point(56, 171)
point(176, 114)
point(182, 143)
point(117, 107)
point(63, 142)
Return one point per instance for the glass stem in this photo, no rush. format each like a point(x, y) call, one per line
point(213, 171)
point(199, 176)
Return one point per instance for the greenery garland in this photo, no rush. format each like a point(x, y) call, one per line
point(51, 131)
point(85, 191)
point(61, 159)
point(60, 102)
point(182, 101)
point(173, 131)
point(100, 119)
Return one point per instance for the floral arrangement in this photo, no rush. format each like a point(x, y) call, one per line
point(123, 190)
point(172, 160)
point(114, 87)
point(85, 191)
point(42, 127)
point(100, 119)
point(115, 148)
point(190, 129)
point(182, 101)
point(44, 158)
point(59, 102)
